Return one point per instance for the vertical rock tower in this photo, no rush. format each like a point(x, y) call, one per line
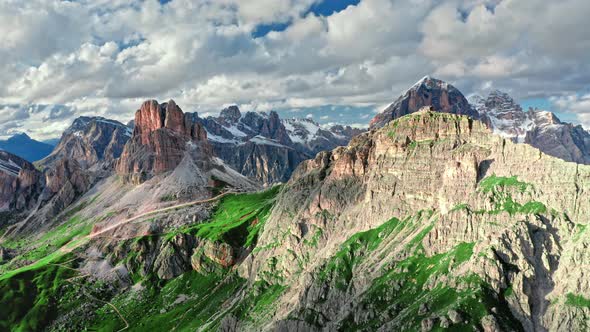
point(162, 136)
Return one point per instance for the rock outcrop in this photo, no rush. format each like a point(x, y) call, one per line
point(94, 142)
point(541, 129)
point(64, 183)
point(34, 197)
point(20, 183)
point(162, 135)
point(173, 145)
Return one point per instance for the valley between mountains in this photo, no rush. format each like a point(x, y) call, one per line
point(446, 214)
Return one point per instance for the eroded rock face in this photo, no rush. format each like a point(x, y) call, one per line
point(64, 183)
point(94, 142)
point(426, 92)
point(162, 135)
point(358, 225)
point(174, 257)
point(561, 140)
point(19, 183)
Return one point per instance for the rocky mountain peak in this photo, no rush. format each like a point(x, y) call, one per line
point(500, 101)
point(94, 142)
point(152, 117)
point(20, 136)
point(231, 114)
point(267, 148)
point(544, 117)
point(427, 92)
point(539, 128)
point(162, 135)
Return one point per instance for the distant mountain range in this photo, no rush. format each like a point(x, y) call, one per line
point(539, 128)
point(267, 148)
point(25, 147)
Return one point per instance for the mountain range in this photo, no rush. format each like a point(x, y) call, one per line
point(267, 148)
point(447, 213)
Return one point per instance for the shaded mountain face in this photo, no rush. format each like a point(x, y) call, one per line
point(538, 128)
point(25, 147)
point(430, 222)
point(427, 92)
point(500, 113)
point(19, 183)
point(94, 142)
point(266, 148)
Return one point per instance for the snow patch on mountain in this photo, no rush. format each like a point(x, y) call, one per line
point(261, 140)
point(301, 130)
point(505, 117)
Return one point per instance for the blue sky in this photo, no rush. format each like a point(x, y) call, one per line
point(321, 8)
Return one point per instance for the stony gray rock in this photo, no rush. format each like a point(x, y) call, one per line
point(455, 316)
point(267, 148)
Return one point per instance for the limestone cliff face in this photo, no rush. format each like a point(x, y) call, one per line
point(403, 227)
point(65, 182)
point(162, 135)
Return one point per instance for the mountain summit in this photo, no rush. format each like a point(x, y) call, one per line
point(539, 128)
point(267, 148)
point(94, 142)
point(427, 92)
point(500, 112)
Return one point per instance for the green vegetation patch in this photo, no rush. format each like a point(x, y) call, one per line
point(47, 247)
point(340, 267)
point(403, 290)
point(313, 240)
point(239, 218)
point(168, 198)
point(499, 190)
point(494, 183)
point(577, 301)
point(185, 303)
point(31, 299)
point(257, 305)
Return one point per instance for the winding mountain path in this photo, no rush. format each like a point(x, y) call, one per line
point(166, 209)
